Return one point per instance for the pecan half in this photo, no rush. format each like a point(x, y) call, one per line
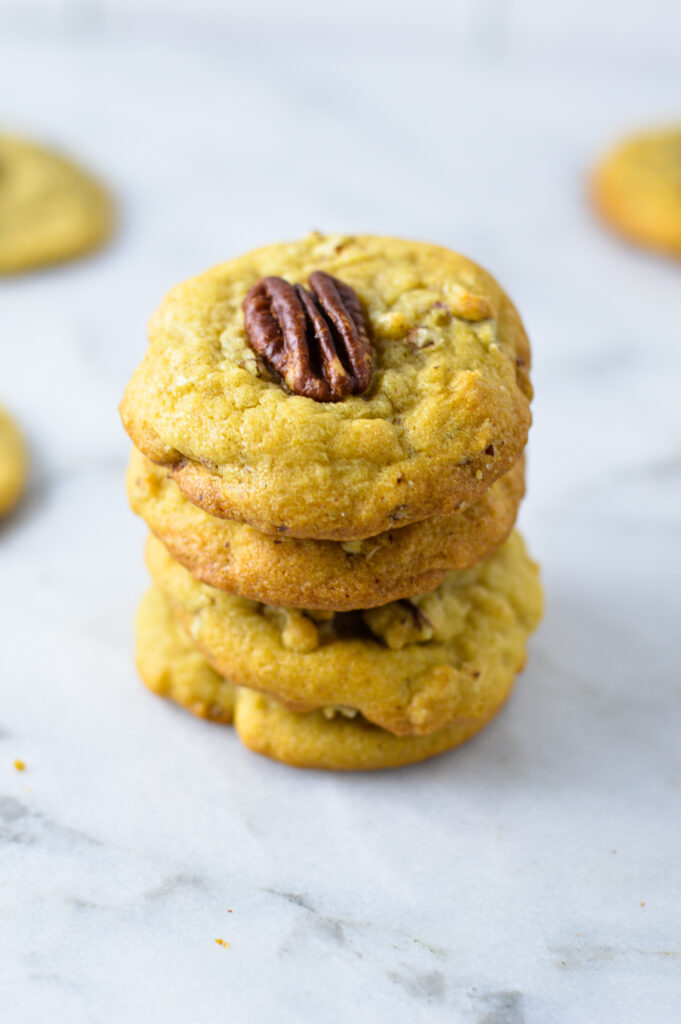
point(317, 340)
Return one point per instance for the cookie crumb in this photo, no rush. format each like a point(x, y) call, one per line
point(221, 942)
point(20, 765)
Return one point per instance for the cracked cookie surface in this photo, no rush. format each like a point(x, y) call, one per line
point(321, 574)
point(445, 415)
point(13, 463)
point(50, 209)
point(171, 666)
point(412, 667)
point(637, 189)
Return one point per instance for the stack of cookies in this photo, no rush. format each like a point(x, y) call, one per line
point(330, 440)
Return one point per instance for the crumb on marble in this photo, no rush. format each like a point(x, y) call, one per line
point(221, 942)
point(20, 765)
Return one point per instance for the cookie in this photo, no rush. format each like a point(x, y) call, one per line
point(321, 574)
point(13, 463)
point(50, 209)
point(445, 412)
point(412, 667)
point(170, 666)
point(340, 744)
point(637, 189)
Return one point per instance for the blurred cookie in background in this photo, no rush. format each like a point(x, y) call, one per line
point(50, 209)
point(13, 463)
point(636, 188)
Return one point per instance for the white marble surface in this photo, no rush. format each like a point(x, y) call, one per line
point(533, 876)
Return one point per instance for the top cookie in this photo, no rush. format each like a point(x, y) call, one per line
point(50, 209)
point(637, 189)
point(445, 413)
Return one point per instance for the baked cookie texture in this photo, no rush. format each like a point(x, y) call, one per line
point(13, 463)
point(445, 415)
point(340, 743)
point(637, 189)
point(170, 665)
point(50, 209)
point(322, 574)
point(412, 668)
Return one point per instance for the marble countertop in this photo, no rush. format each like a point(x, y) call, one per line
point(532, 876)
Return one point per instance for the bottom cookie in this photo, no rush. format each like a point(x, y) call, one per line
point(313, 740)
point(172, 667)
point(332, 738)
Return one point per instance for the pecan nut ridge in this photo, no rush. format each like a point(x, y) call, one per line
point(317, 340)
point(342, 307)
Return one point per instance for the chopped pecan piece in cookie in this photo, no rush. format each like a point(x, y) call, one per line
point(316, 340)
point(398, 624)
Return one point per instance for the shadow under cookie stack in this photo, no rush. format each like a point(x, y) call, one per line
point(329, 454)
